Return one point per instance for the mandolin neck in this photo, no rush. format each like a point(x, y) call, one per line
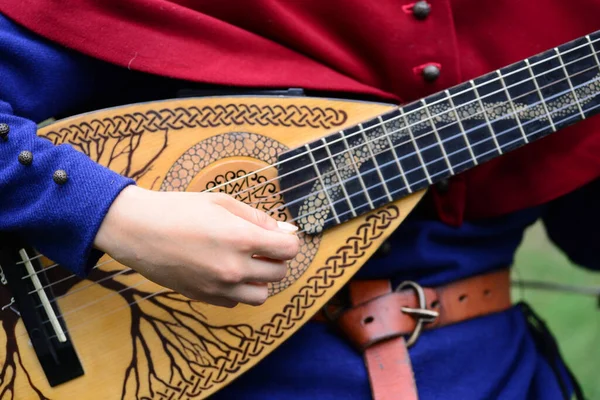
point(411, 147)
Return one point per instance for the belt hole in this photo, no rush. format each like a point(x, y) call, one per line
point(487, 292)
point(462, 297)
point(368, 320)
point(434, 304)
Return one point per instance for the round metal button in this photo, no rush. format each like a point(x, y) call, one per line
point(25, 157)
point(443, 186)
point(4, 130)
point(384, 250)
point(421, 9)
point(431, 73)
point(60, 177)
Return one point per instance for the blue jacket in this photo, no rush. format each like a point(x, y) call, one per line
point(489, 357)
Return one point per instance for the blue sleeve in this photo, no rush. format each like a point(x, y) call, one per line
point(573, 224)
point(38, 80)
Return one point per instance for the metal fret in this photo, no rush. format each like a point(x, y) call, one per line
point(314, 162)
point(362, 183)
point(417, 151)
point(437, 136)
point(537, 87)
point(339, 176)
point(593, 50)
point(570, 83)
point(377, 168)
point(487, 120)
point(512, 106)
point(462, 128)
point(392, 147)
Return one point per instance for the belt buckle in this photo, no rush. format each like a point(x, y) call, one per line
point(422, 314)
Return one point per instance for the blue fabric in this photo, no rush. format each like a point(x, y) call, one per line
point(37, 81)
point(493, 357)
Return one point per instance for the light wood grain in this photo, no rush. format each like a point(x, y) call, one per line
point(223, 343)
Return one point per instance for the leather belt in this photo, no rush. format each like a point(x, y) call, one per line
point(382, 323)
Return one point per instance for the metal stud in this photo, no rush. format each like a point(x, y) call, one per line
point(443, 186)
point(4, 130)
point(431, 73)
point(25, 157)
point(421, 9)
point(60, 176)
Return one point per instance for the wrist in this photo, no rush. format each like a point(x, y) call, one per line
point(118, 219)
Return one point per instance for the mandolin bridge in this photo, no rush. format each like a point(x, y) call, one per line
point(48, 335)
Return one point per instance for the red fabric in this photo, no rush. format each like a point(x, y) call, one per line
point(354, 46)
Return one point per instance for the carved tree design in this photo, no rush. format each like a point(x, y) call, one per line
point(197, 351)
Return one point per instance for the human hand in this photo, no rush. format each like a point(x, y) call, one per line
point(206, 246)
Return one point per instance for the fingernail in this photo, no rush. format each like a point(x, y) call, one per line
point(284, 226)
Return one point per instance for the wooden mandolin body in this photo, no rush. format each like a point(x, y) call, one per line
point(136, 340)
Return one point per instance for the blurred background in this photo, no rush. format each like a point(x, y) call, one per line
point(573, 318)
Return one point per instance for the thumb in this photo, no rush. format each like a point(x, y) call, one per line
point(254, 216)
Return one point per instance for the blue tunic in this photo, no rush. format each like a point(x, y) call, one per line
point(493, 357)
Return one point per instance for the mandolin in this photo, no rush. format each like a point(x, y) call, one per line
point(345, 172)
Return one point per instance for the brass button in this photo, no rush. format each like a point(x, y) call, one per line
point(4, 130)
point(421, 9)
point(60, 177)
point(25, 157)
point(431, 73)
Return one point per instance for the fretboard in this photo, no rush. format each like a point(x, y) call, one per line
point(361, 168)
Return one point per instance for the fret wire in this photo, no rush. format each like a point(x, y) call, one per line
point(542, 100)
point(462, 128)
point(512, 106)
point(437, 136)
point(331, 204)
point(569, 81)
point(594, 53)
point(520, 69)
point(377, 168)
point(414, 142)
point(393, 149)
point(532, 133)
point(337, 172)
point(362, 183)
point(487, 120)
point(479, 113)
point(593, 49)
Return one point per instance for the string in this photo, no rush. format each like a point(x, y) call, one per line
point(459, 164)
point(590, 43)
point(410, 154)
point(99, 299)
point(392, 148)
point(156, 293)
point(96, 282)
point(63, 279)
point(404, 116)
point(73, 327)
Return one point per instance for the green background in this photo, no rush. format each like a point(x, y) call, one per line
point(574, 319)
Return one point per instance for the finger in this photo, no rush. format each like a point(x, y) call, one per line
point(253, 294)
point(255, 216)
point(221, 302)
point(275, 244)
point(265, 270)
point(213, 300)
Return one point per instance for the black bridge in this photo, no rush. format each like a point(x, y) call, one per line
point(27, 283)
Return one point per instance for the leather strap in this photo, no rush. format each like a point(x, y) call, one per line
point(379, 319)
point(387, 361)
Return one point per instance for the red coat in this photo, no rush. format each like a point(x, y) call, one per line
point(371, 47)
